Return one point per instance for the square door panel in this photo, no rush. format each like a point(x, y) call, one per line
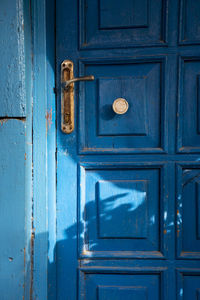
point(112, 124)
point(141, 129)
point(189, 105)
point(188, 211)
point(125, 196)
point(130, 14)
point(188, 284)
point(120, 24)
point(189, 22)
point(120, 212)
point(116, 286)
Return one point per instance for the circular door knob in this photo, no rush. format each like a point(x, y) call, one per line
point(120, 106)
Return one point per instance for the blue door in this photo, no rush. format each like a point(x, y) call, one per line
point(128, 174)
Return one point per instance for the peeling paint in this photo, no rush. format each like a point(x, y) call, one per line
point(48, 119)
point(24, 258)
point(2, 121)
point(6, 119)
point(32, 264)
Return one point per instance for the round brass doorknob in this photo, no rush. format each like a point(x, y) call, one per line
point(120, 106)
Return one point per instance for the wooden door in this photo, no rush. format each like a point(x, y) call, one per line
point(128, 188)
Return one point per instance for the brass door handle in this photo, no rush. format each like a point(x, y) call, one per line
point(67, 83)
point(67, 94)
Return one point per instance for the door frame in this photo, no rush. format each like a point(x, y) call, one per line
point(43, 239)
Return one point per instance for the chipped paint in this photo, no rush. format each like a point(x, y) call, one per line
point(32, 264)
point(2, 121)
point(48, 119)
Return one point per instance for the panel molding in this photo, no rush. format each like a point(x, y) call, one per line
point(182, 39)
point(181, 148)
point(180, 253)
point(97, 41)
point(138, 25)
point(180, 274)
point(160, 273)
point(164, 231)
point(163, 148)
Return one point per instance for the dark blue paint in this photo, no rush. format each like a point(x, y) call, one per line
point(128, 186)
point(189, 25)
point(141, 83)
point(113, 15)
point(119, 196)
point(189, 93)
point(136, 23)
point(121, 286)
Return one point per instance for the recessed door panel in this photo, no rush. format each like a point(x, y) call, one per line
point(141, 129)
point(189, 105)
point(128, 197)
point(138, 286)
point(189, 22)
point(188, 284)
point(188, 211)
point(130, 23)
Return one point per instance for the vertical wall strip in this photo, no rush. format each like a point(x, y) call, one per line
point(44, 146)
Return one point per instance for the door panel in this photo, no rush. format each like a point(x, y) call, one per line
point(128, 196)
point(138, 286)
point(188, 284)
point(141, 128)
point(128, 184)
point(189, 22)
point(188, 211)
point(189, 105)
point(107, 24)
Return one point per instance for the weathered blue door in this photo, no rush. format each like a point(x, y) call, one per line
point(128, 176)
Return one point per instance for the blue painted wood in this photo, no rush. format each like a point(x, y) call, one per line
point(121, 194)
point(28, 149)
point(128, 186)
point(12, 209)
point(44, 157)
point(142, 84)
point(121, 286)
point(12, 53)
point(51, 145)
point(43, 161)
point(115, 16)
point(188, 284)
point(189, 16)
point(188, 130)
point(138, 23)
point(16, 150)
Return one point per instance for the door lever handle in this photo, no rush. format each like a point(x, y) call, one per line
point(82, 78)
point(67, 94)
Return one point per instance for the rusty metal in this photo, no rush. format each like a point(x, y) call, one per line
point(67, 95)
